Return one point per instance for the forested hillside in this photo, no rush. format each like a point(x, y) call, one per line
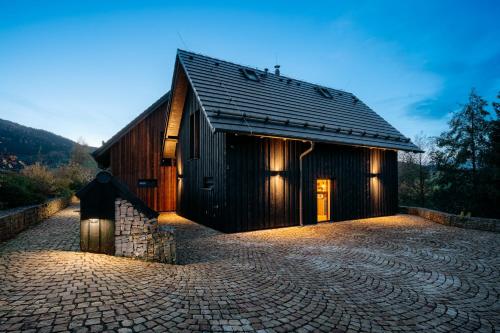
point(21, 145)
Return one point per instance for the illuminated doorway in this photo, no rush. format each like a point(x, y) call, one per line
point(323, 192)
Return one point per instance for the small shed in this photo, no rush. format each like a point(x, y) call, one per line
point(98, 212)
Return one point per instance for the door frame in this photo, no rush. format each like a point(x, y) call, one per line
point(329, 200)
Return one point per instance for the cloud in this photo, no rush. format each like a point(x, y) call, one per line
point(459, 79)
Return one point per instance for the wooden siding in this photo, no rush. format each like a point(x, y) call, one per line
point(137, 156)
point(203, 205)
point(355, 193)
point(263, 182)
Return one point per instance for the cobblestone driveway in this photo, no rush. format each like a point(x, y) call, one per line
point(385, 274)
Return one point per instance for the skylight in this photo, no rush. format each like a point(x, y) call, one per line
point(324, 92)
point(250, 74)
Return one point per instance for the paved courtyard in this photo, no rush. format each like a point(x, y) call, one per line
point(395, 274)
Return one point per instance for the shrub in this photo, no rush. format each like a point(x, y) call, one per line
point(73, 176)
point(36, 183)
point(18, 190)
point(43, 180)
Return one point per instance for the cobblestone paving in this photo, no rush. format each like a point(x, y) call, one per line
point(399, 274)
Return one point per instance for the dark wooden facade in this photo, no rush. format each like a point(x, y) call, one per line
point(242, 182)
point(364, 181)
point(263, 182)
point(201, 183)
point(137, 156)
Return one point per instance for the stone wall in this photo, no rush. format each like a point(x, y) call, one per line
point(454, 220)
point(137, 236)
point(19, 219)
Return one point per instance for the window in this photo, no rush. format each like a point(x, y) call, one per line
point(250, 74)
point(324, 92)
point(149, 183)
point(208, 183)
point(194, 134)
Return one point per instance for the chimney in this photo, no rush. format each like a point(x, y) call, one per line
point(277, 70)
point(266, 70)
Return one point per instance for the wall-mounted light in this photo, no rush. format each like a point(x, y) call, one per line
point(277, 172)
point(180, 176)
point(93, 220)
point(372, 174)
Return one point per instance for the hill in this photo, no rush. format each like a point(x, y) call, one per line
point(21, 145)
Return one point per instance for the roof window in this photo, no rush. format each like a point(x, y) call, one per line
point(250, 74)
point(324, 92)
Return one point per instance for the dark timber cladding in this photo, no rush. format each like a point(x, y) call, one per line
point(134, 156)
point(201, 187)
point(263, 182)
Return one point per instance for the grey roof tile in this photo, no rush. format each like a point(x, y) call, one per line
point(285, 107)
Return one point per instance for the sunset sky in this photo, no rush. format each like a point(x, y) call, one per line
point(85, 69)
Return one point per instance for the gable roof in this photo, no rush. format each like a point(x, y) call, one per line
point(115, 138)
point(275, 105)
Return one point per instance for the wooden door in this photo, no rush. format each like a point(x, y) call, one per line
point(98, 236)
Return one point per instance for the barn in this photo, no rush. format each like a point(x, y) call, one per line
point(238, 148)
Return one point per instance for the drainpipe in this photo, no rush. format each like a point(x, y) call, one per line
point(300, 180)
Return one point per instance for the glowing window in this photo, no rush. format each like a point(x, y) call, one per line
point(323, 199)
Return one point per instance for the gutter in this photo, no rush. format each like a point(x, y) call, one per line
point(307, 152)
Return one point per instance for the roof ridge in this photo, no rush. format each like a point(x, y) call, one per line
point(263, 71)
point(244, 98)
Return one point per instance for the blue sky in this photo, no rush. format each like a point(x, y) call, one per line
point(85, 69)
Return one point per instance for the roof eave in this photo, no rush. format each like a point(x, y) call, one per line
point(115, 138)
point(410, 148)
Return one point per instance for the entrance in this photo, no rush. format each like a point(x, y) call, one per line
point(97, 235)
point(323, 199)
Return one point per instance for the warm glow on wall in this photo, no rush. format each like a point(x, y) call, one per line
point(276, 169)
point(375, 162)
point(376, 185)
point(277, 157)
point(179, 166)
point(277, 187)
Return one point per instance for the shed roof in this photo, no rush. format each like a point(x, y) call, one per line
point(277, 105)
point(108, 144)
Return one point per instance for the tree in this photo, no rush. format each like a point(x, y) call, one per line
point(414, 173)
point(492, 172)
point(462, 151)
point(494, 157)
point(80, 155)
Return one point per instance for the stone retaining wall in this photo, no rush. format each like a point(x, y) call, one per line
point(137, 236)
point(12, 224)
point(454, 220)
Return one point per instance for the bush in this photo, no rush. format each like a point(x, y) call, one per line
point(42, 179)
point(19, 190)
point(36, 183)
point(73, 176)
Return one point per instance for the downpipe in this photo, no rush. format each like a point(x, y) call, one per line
point(301, 157)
